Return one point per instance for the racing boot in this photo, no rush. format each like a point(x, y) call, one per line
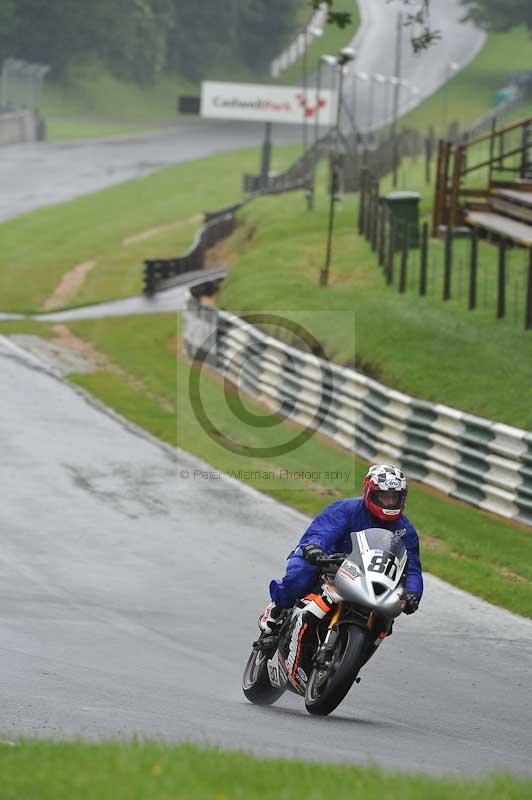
point(271, 618)
point(270, 623)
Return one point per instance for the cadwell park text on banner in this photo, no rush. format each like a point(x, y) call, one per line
point(263, 103)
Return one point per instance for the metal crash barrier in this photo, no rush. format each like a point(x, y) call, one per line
point(484, 463)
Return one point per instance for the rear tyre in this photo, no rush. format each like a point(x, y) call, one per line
point(327, 687)
point(256, 683)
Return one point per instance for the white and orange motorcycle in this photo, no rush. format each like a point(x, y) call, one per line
point(357, 598)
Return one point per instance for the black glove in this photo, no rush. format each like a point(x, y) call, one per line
point(311, 553)
point(411, 602)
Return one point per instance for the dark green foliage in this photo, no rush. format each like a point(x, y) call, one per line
point(138, 39)
point(7, 23)
point(499, 15)
point(416, 17)
point(55, 33)
point(261, 27)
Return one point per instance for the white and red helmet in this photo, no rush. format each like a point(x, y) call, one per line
point(385, 491)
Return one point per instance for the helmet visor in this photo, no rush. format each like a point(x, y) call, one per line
point(390, 500)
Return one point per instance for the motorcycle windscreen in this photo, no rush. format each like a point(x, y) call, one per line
point(381, 554)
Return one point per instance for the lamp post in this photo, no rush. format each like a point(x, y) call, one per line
point(305, 90)
point(345, 55)
point(397, 90)
point(361, 76)
point(415, 93)
point(331, 62)
point(379, 80)
point(387, 97)
point(452, 68)
point(309, 32)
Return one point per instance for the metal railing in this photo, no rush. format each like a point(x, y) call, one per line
point(484, 463)
point(460, 270)
point(164, 273)
point(468, 169)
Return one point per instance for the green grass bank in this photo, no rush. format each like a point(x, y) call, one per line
point(94, 103)
point(331, 41)
point(148, 382)
point(438, 351)
point(39, 248)
point(430, 349)
point(471, 93)
point(151, 771)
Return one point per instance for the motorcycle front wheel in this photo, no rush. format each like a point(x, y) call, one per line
point(256, 683)
point(327, 687)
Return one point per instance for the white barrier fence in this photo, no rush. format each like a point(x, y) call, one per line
point(295, 50)
point(19, 126)
point(484, 463)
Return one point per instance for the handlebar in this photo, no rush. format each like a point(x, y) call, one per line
point(334, 560)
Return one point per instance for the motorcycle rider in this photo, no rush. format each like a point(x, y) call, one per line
point(381, 506)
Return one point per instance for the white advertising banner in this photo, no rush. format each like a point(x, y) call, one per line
point(263, 103)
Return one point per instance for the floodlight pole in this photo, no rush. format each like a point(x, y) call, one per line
point(333, 189)
point(318, 99)
point(266, 155)
point(305, 91)
point(397, 88)
point(324, 274)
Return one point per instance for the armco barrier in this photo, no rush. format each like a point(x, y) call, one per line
point(20, 126)
point(484, 463)
point(163, 273)
point(300, 175)
point(296, 49)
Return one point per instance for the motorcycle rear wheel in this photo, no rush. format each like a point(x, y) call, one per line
point(256, 683)
point(326, 689)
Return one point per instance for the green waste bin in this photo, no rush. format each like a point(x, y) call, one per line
point(505, 94)
point(404, 210)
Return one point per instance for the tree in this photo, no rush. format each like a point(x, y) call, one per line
point(210, 32)
point(417, 18)
point(57, 33)
point(203, 33)
point(7, 27)
point(261, 27)
point(138, 39)
point(499, 15)
point(133, 40)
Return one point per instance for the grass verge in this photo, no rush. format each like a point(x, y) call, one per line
point(438, 351)
point(61, 129)
point(476, 551)
point(92, 92)
point(434, 350)
point(149, 770)
point(40, 247)
point(331, 41)
point(472, 92)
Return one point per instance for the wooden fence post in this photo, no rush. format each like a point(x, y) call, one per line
point(369, 207)
point(382, 235)
point(149, 279)
point(404, 259)
point(391, 252)
point(448, 263)
point(362, 203)
point(376, 215)
point(424, 259)
point(473, 270)
point(528, 309)
point(501, 289)
point(429, 144)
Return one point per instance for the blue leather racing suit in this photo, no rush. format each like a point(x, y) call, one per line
point(331, 531)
